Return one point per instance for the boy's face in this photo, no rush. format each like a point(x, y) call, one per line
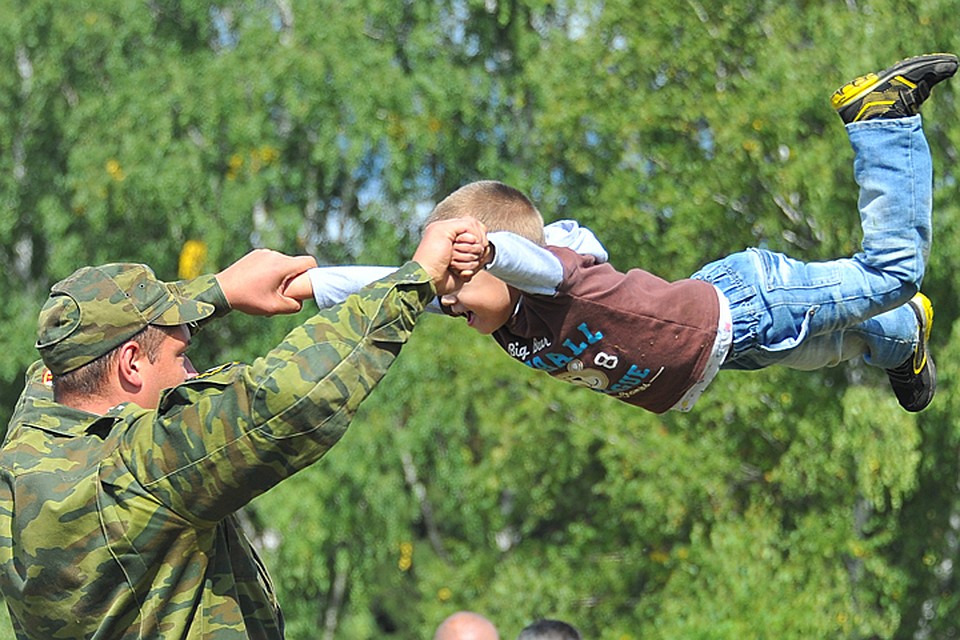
point(486, 302)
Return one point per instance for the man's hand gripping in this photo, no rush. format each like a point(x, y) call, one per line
point(452, 251)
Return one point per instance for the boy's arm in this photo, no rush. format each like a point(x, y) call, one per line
point(524, 264)
point(569, 233)
point(532, 268)
point(332, 285)
point(516, 261)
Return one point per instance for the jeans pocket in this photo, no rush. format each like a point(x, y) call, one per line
point(789, 336)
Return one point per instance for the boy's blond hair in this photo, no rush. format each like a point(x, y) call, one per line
point(498, 206)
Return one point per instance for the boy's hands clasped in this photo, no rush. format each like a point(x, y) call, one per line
point(452, 251)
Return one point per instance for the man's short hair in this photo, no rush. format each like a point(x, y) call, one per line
point(90, 378)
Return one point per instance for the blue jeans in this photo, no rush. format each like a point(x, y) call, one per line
point(816, 314)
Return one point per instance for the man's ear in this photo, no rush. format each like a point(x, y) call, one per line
point(129, 357)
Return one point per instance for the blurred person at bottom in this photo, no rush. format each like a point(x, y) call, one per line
point(547, 629)
point(466, 625)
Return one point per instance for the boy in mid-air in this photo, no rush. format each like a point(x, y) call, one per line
point(658, 344)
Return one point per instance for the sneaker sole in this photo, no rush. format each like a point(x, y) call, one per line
point(861, 86)
point(923, 308)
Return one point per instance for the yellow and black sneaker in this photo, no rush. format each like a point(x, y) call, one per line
point(915, 381)
point(896, 92)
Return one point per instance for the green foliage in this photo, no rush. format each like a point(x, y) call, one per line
point(785, 505)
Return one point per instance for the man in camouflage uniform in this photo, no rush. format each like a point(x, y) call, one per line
point(117, 498)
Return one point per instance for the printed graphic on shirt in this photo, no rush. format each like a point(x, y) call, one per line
point(581, 359)
point(577, 374)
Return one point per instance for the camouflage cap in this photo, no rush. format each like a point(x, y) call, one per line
point(96, 309)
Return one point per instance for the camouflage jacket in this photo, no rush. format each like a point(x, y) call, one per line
point(123, 525)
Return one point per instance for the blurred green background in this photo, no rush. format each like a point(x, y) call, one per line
point(786, 505)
